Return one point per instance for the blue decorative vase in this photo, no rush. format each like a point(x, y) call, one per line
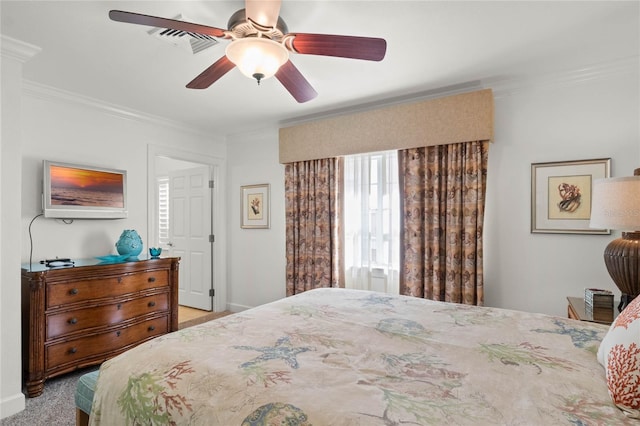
point(129, 243)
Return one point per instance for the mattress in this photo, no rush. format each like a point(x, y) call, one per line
point(350, 357)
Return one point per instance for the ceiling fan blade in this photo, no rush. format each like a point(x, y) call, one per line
point(263, 12)
point(293, 80)
point(212, 74)
point(154, 21)
point(367, 48)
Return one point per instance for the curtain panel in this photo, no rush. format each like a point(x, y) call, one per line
point(442, 208)
point(313, 229)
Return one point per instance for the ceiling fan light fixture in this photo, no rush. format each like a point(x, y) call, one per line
point(257, 57)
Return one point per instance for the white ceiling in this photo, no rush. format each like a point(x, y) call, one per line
point(430, 45)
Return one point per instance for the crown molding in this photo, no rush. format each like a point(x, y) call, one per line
point(502, 86)
point(49, 93)
point(510, 85)
point(16, 49)
point(423, 95)
point(263, 132)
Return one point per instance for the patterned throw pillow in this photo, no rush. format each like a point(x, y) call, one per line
point(619, 353)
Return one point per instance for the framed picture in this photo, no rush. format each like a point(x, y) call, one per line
point(561, 195)
point(254, 206)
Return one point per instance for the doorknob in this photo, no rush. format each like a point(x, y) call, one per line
point(170, 244)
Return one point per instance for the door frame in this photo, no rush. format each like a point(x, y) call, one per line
point(218, 174)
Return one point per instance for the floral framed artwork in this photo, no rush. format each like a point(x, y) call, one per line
point(254, 206)
point(561, 195)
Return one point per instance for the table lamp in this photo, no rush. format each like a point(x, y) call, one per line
point(615, 204)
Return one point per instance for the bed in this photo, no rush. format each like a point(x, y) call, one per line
point(350, 357)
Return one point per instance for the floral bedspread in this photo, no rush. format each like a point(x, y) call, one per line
point(348, 357)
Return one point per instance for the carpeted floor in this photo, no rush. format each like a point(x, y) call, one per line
point(56, 406)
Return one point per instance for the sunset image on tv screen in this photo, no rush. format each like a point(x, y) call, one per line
point(87, 188)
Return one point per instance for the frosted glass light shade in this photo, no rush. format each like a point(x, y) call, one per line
point(615, 204)
point(257, 57)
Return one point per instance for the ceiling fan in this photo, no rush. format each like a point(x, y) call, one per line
point(260, 45)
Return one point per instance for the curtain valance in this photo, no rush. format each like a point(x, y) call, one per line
point(454, 119)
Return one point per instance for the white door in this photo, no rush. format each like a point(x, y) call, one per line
point(190, 224)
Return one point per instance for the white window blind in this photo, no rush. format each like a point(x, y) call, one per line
point(163, 211)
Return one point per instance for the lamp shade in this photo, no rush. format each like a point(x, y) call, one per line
point(257, 57)
point(615, 203)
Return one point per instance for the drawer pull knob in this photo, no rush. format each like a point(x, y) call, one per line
point(73, 350)
point(152, 304)
point(119, 306)
point(118, 333)
point(151, 328)
point(119, 280)
point(152, 279)
point(73, 321)
point(73, 291)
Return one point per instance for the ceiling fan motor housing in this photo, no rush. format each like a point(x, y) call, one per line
point(241, 27)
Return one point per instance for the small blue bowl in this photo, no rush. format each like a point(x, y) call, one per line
point(155, 251)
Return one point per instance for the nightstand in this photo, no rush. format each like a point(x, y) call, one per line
point(576, 309)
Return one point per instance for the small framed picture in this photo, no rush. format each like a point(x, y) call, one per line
point(561, 195)
point(254, 206)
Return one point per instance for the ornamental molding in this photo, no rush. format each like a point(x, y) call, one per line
point(502, 86)
point(50, 93)
point(507, 86)
point(16, 49)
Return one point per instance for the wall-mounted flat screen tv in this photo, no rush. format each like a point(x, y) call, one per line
point(74, 191)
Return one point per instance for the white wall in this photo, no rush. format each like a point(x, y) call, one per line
point(589, 113)
point(14, 54)
point(545, 121)
point(75, 133)
point(56, 125)
point(255, 257)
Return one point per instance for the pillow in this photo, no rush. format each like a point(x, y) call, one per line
point(619, 353)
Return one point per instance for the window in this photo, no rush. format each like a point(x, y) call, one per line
point(163, 211)
point(372, 212)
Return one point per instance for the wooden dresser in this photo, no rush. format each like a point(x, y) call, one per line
point(75, 317)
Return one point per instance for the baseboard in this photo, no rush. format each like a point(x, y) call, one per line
point(234, 307)
point(12, 405)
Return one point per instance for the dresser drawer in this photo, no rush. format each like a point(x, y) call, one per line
point(76, 320)
point(95, 288)
point(104, 343)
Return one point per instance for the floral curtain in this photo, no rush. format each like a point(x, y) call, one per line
point(442, 208)
point(313, 230)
